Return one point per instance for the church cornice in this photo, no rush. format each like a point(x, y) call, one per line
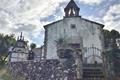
point(102, 25)
point(94, 22)
point(45, 26)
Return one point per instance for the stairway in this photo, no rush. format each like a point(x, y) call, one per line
point(93, 72)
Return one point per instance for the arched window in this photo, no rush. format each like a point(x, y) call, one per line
point(71, 12)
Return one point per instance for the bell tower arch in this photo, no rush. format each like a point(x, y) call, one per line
point(71, 9)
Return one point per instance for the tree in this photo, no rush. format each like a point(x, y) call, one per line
point(113, 55)
point(33, 45)
point(111, 35)
point(107, 37)
point(106, 33)
point(6, 41)
point(114, 34)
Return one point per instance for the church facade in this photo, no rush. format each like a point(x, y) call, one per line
point(75, 30)
point(20, 51)
point(73, 49)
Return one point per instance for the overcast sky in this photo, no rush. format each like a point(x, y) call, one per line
point(29, 16)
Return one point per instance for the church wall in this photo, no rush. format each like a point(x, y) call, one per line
point(87, 31)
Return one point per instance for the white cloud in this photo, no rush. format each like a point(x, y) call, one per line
point(112, 18)
point(93, 18)
point(115, 9)
point(91, 2)
point(24, 16)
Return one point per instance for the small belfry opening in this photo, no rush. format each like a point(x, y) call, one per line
point(72, 12)
point(71, 9)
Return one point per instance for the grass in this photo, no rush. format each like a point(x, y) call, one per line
point(7, 76)
point(4, 73)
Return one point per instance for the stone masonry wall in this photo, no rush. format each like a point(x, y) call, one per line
point(42, 70)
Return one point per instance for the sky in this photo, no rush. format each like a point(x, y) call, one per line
point(29, 16)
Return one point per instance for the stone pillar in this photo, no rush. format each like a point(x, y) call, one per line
point(78, 62)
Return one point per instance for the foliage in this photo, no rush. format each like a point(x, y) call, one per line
point(33, 45)
point(113, 55)
point(61, 41)
point(6, 75)
point(113, 34)
point(110, 35)
point(106, 33)
point(6, 41)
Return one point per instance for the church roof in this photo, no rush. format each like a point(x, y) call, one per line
point(53, 23)
point(72, 4)
point(94, 22)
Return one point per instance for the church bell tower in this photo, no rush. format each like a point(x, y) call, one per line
point(71, 10)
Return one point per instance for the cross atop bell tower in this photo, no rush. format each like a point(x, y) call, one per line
point(71, 9)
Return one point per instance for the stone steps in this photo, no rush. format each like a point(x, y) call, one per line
point(93, 72)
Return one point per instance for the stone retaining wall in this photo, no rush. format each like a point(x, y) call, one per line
point(42, 70)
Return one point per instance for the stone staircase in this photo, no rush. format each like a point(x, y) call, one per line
point(93, 72)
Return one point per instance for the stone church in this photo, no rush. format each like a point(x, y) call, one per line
point(73, 50)
point(76, 32)
point(19, 52)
